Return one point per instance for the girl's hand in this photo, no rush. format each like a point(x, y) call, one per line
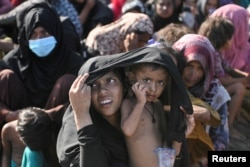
point(140, 92)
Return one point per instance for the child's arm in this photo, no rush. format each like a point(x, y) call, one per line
point(6, 146)
point(131, 115)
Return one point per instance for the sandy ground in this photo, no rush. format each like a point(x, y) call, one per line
point(244, 128)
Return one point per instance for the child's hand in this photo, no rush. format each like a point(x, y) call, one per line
point(80, 95)
point(140, 92)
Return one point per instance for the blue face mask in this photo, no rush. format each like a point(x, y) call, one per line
point(42, 47)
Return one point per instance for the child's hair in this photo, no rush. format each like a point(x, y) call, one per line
point(218, 30)
point(34, 128)
point(173, 32)
point(139, 66)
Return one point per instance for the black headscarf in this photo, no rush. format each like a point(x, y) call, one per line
point(98, 66)
point(40, 74)
point(112, 141)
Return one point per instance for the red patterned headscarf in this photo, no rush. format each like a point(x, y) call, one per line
point(197, 47)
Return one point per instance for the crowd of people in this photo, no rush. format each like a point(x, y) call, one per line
point(104, 83)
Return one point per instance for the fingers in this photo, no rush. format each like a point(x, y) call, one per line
point(80, 81)
point(137, 87)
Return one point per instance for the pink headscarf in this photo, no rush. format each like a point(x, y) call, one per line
point(109, 39)
point(238, 56)
point(197, 47)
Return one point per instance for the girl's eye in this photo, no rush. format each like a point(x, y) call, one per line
point(111, 80)
point(146, 80)
point(93, 85)
point(161, 83)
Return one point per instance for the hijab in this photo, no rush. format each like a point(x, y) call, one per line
point(109, 39)
point(40, 74)
point(198, 48)
point(99, 65)
point(238, 55)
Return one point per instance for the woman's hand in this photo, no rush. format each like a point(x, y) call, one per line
point(189, 121)
point(80, 99)
point(131, 41)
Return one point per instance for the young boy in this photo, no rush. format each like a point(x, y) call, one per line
point(142, 119)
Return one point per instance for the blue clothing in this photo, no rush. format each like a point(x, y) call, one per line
point(13, 164)
point(65, 8)
point(220, 134)
point(33, 158)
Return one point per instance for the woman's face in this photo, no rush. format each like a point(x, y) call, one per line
point(107, 95)
point(228, 44)
point(38, 33)
point(211, 6)
point(192, 73)
point(164, 8)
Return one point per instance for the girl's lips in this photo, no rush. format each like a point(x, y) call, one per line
point(152, 97)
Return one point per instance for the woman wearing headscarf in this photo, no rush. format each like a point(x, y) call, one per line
point(97, 144)
point(41, 69)
point(198, 76)
point(109, 39)
point(238, 55)
point(164, 12)
point(205, 8)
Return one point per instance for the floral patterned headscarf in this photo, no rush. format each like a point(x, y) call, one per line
point(109, 39)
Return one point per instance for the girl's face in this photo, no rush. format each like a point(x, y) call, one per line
point(211, 6)
point(107, 95)
point(164, 8)
point(154, 80)
point(192, 73)
point(228, 44)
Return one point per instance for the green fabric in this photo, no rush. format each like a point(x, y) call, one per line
point(33, 158)
point(13, 164)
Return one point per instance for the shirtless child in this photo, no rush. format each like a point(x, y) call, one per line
point(13, 147)
point(142, 119)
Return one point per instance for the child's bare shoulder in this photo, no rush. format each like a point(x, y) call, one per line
point(9, 128)
point(128, 103)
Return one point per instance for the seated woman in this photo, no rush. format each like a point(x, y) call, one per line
point(112, 38)
point(94, 125)
point(40, 71)
point(198, 76)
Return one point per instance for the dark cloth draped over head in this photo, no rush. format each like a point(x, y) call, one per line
point(40, 74)
point(98, 66)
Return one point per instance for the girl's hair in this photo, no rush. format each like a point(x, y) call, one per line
point(34, 127)
point(139, 66)
point(218, 30)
